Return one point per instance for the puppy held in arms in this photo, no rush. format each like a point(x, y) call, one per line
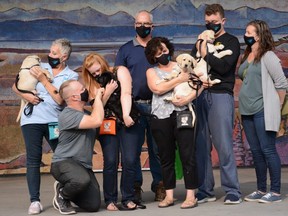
point(26, 83)
point(201, 69)
point(185, 63)
point(113, 105)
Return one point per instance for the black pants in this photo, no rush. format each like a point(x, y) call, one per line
point(79, 184)
point(166, 135)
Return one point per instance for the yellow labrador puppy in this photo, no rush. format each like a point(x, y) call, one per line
point(25, 82)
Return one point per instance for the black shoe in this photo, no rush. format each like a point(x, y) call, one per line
point(62, 205)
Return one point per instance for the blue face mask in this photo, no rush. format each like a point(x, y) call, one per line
point(164, 59)
point(214, 27)
point(249, 41)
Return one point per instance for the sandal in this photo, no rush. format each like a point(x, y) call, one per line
point(112, 207)
point(166, 203)
point(128, 206)
point(187, 204)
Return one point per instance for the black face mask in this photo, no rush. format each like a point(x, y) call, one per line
point(249, 41)
point(213, 27)
point(164, 59)
point(53, 62)
point(143, 31)
point(84, 96)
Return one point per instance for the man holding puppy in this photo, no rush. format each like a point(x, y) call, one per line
point(215, 112)
point(72, 160)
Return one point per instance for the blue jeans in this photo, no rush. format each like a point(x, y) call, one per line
point(215, 113)
point(263, 148)
point(79, 184)
point(33, 137)
point(126, 141)
point(154, 160)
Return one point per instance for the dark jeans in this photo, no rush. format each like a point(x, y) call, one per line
point(263, 148)
point(126, 141)
point(166, 135)
point(79, 184)
point(154, 160)
point(33, 136)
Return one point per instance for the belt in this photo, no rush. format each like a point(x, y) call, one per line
point(143, 101)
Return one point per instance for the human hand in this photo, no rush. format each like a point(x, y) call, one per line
point(100, 93)
point(179, 101)
point(33, 99)
point(128, 121)
point(38, 73)
point(111, 87)
point(183, 77)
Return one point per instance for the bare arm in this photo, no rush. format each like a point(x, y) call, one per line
point(52, 90)
point(95, 119)
point(166, 86)
point(184, 100)
point(26, 96)
point(125, 80)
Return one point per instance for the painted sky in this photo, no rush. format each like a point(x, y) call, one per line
point(134, 6)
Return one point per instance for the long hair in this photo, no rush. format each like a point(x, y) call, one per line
point(89, 80)
point(266, 42)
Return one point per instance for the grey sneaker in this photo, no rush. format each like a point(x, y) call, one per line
point(232, 199)
point(255, 196)
point(269, 198)
point(60, 203)
point(35, 208)
point(203, 199)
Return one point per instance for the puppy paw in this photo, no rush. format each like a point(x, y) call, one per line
point(215, 81)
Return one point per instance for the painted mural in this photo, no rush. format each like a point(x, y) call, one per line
point(29, 26)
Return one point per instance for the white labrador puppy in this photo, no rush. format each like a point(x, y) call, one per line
point(26, 82)
point(202, 69)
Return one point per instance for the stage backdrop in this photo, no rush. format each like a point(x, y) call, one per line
point(28, 27)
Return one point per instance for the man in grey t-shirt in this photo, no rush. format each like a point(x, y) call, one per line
point(72, 160)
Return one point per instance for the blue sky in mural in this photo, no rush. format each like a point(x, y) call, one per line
point(179, 20)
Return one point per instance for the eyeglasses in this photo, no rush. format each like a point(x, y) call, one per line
point(146, 24)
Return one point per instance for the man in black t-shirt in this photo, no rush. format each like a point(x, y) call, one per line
point(215, 112)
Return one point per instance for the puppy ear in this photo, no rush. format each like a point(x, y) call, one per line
point(194, 62)
point(179, 59)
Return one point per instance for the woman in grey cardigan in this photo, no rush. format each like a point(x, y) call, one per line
point(260, 100)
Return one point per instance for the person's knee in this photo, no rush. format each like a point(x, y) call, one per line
point(92, 206)
point(80, 184)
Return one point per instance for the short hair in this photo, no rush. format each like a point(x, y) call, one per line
point(213, 9)
point(144, 11)
point(65, 46)
point(154, 45)
point(65, 89)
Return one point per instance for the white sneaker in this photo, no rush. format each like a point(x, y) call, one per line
point(35, 208)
